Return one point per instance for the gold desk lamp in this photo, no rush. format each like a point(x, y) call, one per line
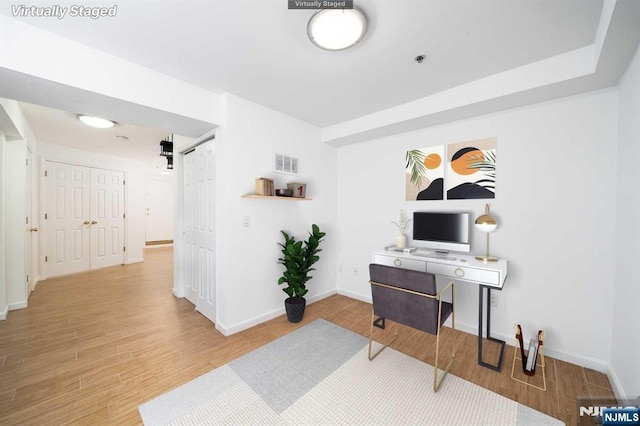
point(486, 223)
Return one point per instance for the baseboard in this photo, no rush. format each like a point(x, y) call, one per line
point(573, 358)
point(19, 305)
point(592, 363)
point(36, 280)
point(164, 243)
point(4, 313)
point(229, 330)
point(131, 261)
point(356, 296)
point(152, 246)
point(618, 390)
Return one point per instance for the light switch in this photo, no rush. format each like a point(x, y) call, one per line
point(246, 221)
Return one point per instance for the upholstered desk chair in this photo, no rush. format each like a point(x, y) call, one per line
point(410, 298)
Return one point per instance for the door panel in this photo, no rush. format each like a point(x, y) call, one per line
point(199, 219)
point(190, 204)
point(107, 221)
point(67, 210)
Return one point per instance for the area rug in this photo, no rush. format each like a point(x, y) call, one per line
point(320, 374)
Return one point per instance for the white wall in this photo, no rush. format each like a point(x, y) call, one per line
point(14, 173)
point(625, 348)
point(555, 204)
point(17, 294)
point(4, 306)
point(247, 256)
point(135, 173)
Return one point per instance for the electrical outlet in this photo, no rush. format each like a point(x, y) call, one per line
point(494, 300)
point(246, 221)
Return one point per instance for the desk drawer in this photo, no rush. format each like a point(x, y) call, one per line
point(400, 262)
point(465, 273)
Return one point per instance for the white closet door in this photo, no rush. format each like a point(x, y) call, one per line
point(67, 211)
point(199, 219)
point(107, 218)
point(189, 206)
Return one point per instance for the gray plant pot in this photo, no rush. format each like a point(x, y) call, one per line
point(295, 308)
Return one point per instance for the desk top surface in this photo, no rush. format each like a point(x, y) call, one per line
point(459, 260)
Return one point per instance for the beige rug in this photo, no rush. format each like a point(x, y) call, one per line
point(320, 374)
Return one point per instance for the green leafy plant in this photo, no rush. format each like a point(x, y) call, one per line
point(298, 258)
point(415, 162)
point(487, 164)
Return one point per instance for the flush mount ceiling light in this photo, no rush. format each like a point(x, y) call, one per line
point(337, 29)
point(100, 123)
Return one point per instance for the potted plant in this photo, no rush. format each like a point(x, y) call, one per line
point(297, 258)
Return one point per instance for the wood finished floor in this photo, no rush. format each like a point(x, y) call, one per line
point(91, 348)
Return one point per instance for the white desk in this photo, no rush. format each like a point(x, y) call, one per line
point(465, 268)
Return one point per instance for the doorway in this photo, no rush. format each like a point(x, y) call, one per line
point(159, 211)
point(84, 216)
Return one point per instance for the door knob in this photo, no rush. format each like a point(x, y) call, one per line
point(86, 222)
point(93, 222)
point(33, 230)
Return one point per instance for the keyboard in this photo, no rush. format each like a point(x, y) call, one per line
point(434, 256)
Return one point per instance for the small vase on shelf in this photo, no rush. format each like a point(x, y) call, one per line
point(401, 241)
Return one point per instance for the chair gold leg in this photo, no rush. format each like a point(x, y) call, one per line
point(437, 382)
point(371, 357)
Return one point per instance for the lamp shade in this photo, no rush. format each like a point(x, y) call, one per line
point(486, 222)
point(486, 226)
point(337, 29)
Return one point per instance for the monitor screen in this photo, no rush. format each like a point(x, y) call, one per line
point(441, 231)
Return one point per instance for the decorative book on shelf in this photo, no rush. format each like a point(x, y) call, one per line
point(264, 186)
point(530, 360)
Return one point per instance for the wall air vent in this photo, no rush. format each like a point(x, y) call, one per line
point(286, 164)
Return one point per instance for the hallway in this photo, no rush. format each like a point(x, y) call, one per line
point(91, 347)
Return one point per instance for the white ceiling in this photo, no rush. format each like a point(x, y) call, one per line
point(63, 128)
point(257, 49)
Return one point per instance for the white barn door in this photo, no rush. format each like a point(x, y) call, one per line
point(199, 223)
point(67, 219)
point(107, 218)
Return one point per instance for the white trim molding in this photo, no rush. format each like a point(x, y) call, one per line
point(236, 328)
point(19, 305)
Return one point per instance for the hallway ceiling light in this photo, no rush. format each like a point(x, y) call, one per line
point(337, 29)
point(100, 123)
